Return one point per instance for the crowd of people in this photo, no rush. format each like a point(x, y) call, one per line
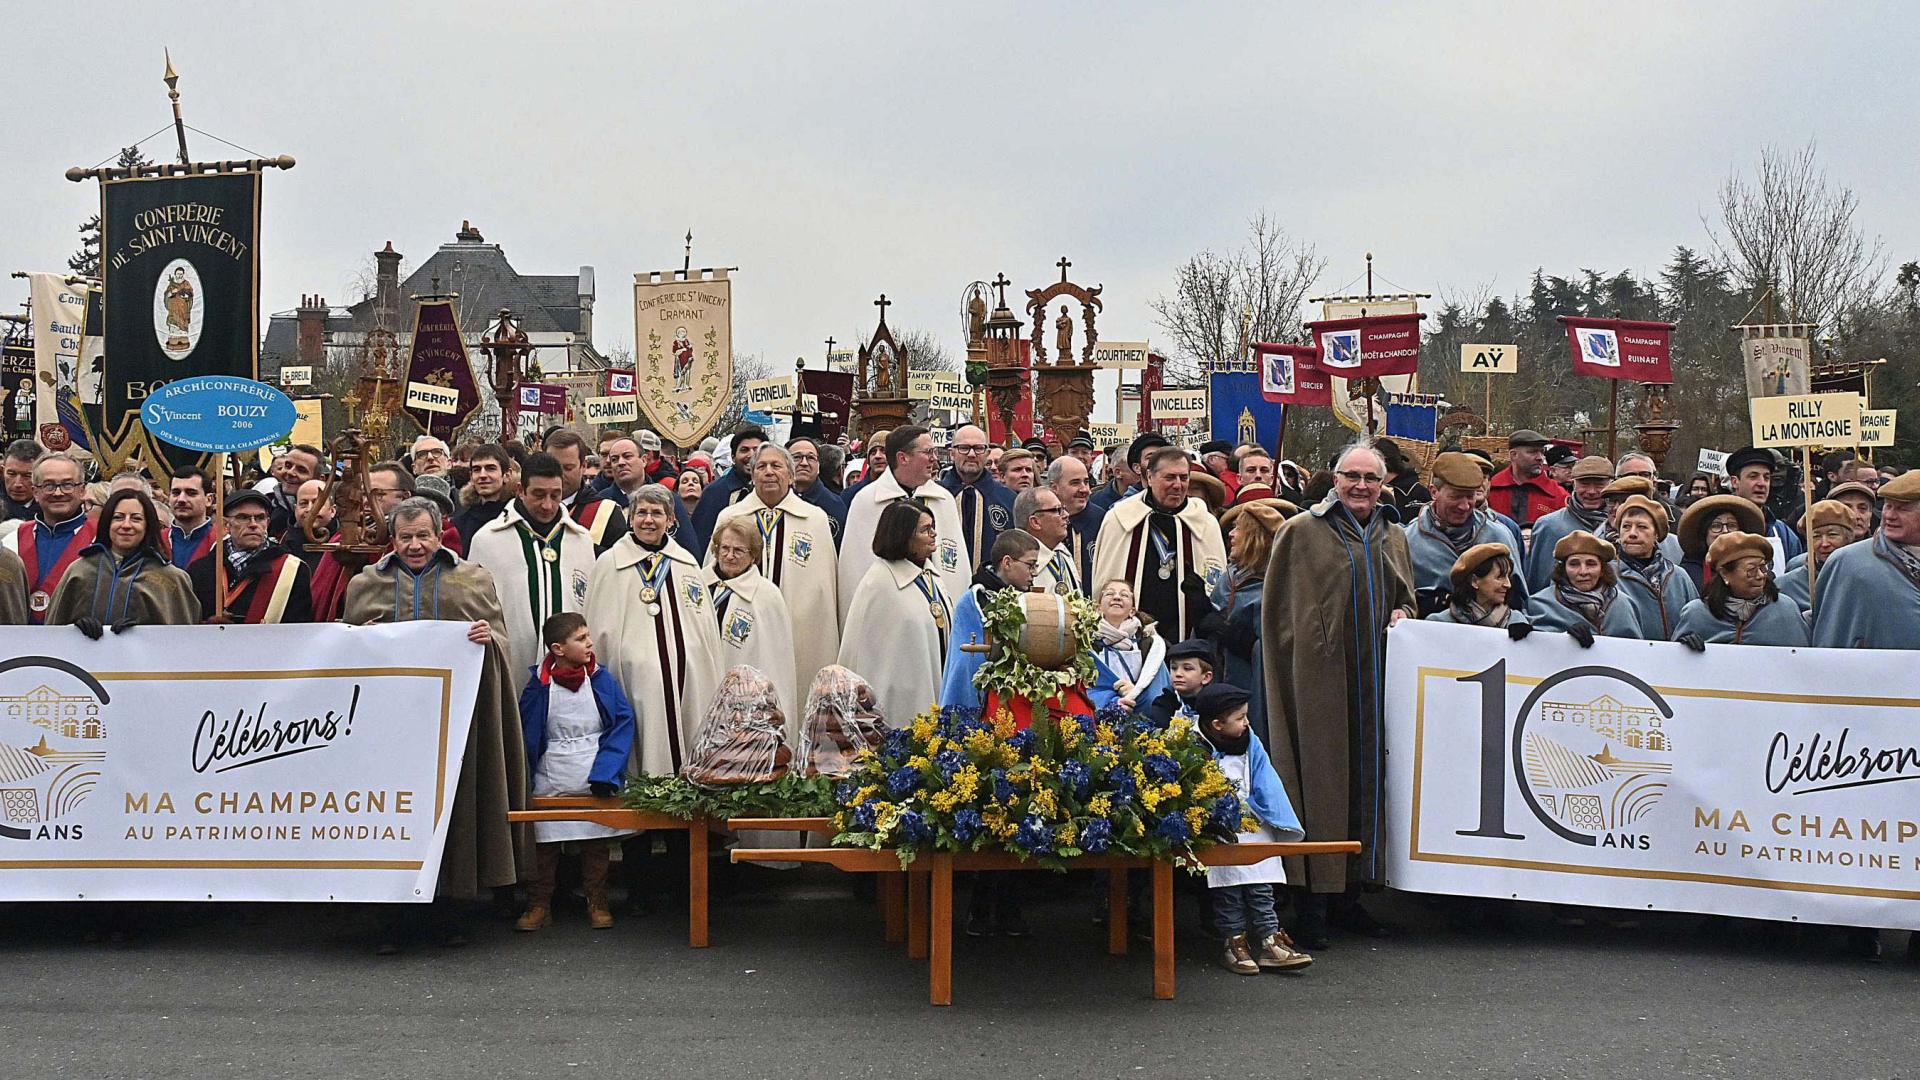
point(615, 588)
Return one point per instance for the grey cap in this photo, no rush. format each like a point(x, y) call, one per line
point(1526, 437)
point(437, 489)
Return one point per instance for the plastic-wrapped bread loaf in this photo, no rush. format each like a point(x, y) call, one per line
point(742, 739)
point(842, 719)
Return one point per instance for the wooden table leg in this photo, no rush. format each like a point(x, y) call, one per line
point(893, 905)
point(1116, 913)
point(1162, 930)
point(697, 883)
point(917, 886)
point(940, 969)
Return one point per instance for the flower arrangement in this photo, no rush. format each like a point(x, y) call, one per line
point(1112, 783)
point(1008, 671)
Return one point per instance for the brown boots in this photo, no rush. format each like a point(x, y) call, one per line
point(594, 856)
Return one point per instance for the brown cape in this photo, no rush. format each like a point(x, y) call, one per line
point(1325, 676)
point(161, 595)
point(482, 847)
point(13, 589)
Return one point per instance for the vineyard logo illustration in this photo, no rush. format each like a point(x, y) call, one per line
point(54, 728)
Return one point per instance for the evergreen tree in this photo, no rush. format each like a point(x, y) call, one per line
point(86, 261)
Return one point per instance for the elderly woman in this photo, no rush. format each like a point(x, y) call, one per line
point(896, 631)
point(1482, 585)
point(1707, 520)
point(1833, 529)
point(1234, 629)
point(1657, 588)
point(1741, 605)
point(1582, 597)
point(122, 579)
point(421, 579)
point(756, 629)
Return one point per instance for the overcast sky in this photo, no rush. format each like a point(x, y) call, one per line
point(835, 151)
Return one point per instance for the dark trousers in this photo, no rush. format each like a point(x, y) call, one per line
point(1244, 909)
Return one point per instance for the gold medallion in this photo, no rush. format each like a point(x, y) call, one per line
point(40, 601)
point(649, 595)
point(549, 554)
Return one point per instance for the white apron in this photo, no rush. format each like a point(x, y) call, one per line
point(573, 740)
point(1269, 871)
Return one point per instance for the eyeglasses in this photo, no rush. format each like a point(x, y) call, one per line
point(1354, 476)
point(60, 487)
point(981, 449)
point(1061, 510)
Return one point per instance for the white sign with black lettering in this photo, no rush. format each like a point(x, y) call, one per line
point(770, 395)
point(1120, 354)
point(296, 376)
point(431, 398)
point(618, 409)
point(1177, 404)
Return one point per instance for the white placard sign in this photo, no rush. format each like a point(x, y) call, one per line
point(1876, 426)
point(1806, 420)
point(1120, 354)
point(313, 763)
point(615, 409)
point(770, 395)
point(1178, 404)
point(1750, 781)
point(296, 376)
point(1490, 359)
point(431, 398)
point(1712, 462)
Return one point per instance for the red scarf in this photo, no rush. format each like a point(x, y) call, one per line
point(573, 678)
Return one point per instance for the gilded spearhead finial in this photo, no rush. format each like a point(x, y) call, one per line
point(171, 78)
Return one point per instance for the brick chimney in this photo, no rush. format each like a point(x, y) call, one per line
point(386, 295)
point(311, 347)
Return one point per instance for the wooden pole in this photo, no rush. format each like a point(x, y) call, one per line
point(219, 538)
point(1806, 517)
point(1613, 418)
point(1487, 413)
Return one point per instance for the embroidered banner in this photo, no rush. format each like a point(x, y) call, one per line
point(1364, 348)
point(1621, 348)
point(683, 335)
point(1291, 375)
point(439, 359)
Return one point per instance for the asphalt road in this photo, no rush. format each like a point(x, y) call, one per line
point(799, 984)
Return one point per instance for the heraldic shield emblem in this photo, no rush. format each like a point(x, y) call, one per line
point(683, 337)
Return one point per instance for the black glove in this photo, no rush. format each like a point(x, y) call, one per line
point(603, 789)
point(1210, 625)
point(1582, 633)
point(1692, 641)
point(1432, 600)
point(124, 625)
point(89, 626)
point(1519, 630)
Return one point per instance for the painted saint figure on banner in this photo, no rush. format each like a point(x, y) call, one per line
point(178, 310)
point(682, 359)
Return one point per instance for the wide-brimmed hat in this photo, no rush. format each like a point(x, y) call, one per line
point(1207, 486)
point(1731, 547)
point(1649, 507)
point(1693, 521)
point(1581, 542)
point(1471, 560)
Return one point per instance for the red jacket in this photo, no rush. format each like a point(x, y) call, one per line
point(1542, 496)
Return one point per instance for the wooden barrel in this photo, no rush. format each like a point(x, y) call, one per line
point(1047, 639)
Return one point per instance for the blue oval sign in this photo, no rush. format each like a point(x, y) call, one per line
point(218, 414)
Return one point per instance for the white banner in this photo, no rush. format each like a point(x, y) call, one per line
point(231, 763)
point(58, 309)
point(613, 409)
point(1747, 780)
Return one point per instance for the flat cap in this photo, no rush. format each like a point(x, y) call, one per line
point(1630, 485)
point(1215, 700)
point(1854, 487)
point(1191, 649)
point(1593, 467)
point(1903, 488)
point(1582, 543)
point(1750, 455)
point(1455, 469)
point(1526, 437)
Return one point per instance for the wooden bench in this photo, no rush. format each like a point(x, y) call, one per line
point(929, 886)
point(611, 812)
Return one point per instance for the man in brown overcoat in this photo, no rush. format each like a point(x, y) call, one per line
point(1339, 576)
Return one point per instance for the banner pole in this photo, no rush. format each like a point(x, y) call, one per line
point(219, 537)
point(1613, 418)
point(1487, 413)
point(1806, 517)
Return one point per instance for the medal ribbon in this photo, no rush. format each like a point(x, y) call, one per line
point(653, 570)
point(767, 520)
point(936, 601)
point(534, 547)
point(721, 595)
point(1062, 567)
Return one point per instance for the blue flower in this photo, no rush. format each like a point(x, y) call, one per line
point(1120, 782)
point(914, 828)
point(1173, 828)
point(899, 742)
point(1022, 742)
point(1161, 768)
point(950, 762)
point(902, 780)
point(1096, 835)
point(1226, 813)
point(864, 817)
point(1075, 775)
point(843, 792)
point(1085, 723)
point(1034, 835)
point(958, 721)
point(1002, 787)
point(1114, 716)
point(967, 824)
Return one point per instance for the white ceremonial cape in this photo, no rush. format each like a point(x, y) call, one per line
point(1055, 563)
point(668, 664)
point(801, 559)
point(756, 629)
point(499, 547)
point(892, 642)
point(949, 560)
point(1116, 555)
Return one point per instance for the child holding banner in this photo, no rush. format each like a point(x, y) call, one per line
point(579, 730)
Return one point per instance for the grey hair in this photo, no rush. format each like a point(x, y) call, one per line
point(40, 467)
point(1024, 505)
point(652, 493)
point(417, 507)
point(24, 450)
point(775, 448)
point(1648, 458)
point(1357, 446)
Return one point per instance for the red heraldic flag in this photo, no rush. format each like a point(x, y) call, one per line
point(1621, 348)
point(619, 381)
point(1370, 347)
point(1291, 375)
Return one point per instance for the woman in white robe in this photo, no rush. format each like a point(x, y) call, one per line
point(897, 627)
point(798, 556)
point(653, 628)
point(756, 629)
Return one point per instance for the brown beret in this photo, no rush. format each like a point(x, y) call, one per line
point(1582, 543)
point(1630, 485)
point(1902, 488)
point(1650, 508)
point(1267, 513)
point(1593, 467)
point(1693, 522)
point(1853, 487)
point(1830, 512)
point(1471, 560)
point(1731, 547)
point(1459, 470)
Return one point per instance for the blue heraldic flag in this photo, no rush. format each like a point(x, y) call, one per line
point(1413, 417)
point(1239, 413)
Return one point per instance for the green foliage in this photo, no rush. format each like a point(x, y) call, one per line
point(1009, 672)
point(792, 795)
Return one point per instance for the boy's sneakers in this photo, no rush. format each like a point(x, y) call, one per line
point(1277, 953)
point(1238, 958)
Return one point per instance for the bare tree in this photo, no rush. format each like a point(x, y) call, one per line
point(1794, 230)
point(1269, 277)
point(925, 351)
